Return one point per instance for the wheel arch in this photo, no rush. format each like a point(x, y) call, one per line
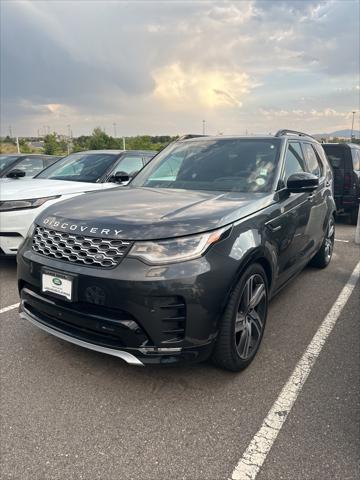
point(258, 256)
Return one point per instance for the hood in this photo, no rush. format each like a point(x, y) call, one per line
point(133, 213)
point(38, 187)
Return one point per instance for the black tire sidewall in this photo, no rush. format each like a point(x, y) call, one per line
point(226, 337)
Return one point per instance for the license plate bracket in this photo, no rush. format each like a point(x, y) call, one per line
point(58, 284)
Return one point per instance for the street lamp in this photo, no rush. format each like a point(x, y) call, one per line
point(68, 140)
point(352, 125)
point(203, 127)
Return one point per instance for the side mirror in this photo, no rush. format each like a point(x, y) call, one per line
point(302, 182)
point(119, 177)
point(16, 173)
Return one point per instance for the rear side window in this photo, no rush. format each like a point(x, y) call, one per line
point(336, 156)
point(294, 160)
point(355, 153)
point(311, 159)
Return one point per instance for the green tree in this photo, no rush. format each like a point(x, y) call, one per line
point(50, 144)
point(99, 140)
point(81, 143)
point(24, 146)
point(54, 147)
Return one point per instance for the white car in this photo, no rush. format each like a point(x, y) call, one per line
point(78, 173)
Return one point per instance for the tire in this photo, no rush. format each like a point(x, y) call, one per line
point(243, 322)
point(323, 256)
point(354, 216)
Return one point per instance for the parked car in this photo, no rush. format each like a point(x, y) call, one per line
point(345, 161)
point(24, 165)
point(180, 265)
point(69, 176)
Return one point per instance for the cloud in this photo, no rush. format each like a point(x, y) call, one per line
point(200, 88)
point(161, 67)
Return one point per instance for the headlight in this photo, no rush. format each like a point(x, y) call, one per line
point(177, 249)
point(8, 205)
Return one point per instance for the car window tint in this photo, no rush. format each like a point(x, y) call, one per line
point(311, 160)
point(6, 161)
point(80, 167)
point(169, 170)
point(336, 156)
point(49, 160)
point(294, 160)
point(130, 164)
point(214, 164)
point(30, 165)
point(355, 152)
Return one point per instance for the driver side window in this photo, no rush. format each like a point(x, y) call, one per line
point(30, 165)
point(294, 161)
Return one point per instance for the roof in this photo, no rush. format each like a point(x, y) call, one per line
point(27, 155)
point(228, 137)
point(117, 152)
point(280, 134)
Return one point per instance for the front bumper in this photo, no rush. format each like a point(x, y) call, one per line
point(128, 357)
point(10, 243)
point(15, 224)
point(162, 314)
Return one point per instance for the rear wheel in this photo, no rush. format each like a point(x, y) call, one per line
point(242, 325)
point(323, 257)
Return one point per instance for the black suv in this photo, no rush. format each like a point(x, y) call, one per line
point(345, 161)
point(181, 264)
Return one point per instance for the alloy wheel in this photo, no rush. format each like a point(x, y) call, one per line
point(329, 240)
point(250, 318)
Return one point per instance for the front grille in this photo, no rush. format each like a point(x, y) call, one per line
point(79, 249)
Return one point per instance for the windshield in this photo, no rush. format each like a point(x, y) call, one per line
point(6, 161)
point(242, 165)
point(80, 167)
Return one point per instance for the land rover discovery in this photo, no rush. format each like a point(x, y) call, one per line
point(180, 265)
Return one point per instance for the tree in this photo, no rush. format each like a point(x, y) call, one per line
point(24, 146)
point(81, 143)
point(54, 147)
point(99, 140)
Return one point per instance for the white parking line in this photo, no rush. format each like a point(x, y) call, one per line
point(259, 447)
point(10, 307)
point(340, 240)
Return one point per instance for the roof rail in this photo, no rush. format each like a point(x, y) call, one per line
point(285, 131)
point(190, 135)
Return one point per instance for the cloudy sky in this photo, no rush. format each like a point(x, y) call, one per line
point(161, 67)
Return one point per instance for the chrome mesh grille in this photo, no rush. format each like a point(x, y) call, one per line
point(79, 249)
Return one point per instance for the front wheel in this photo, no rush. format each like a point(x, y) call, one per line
point(323, 256)
point(242, 325)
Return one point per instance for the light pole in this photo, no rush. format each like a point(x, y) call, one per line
point(69, 136)
point(203, 127)
point(114, 125)
point(352, 125)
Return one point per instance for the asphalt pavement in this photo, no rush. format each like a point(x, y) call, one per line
point(70, 413)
